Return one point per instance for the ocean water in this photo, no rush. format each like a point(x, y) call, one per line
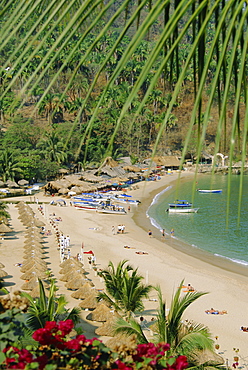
point(212, 229)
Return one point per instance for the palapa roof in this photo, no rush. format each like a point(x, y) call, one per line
point(131, 168)
point(167, 161)
point(83, 291)
point(90, 302)
point(3, 274)
point(4, 228)
point(107, 328)
point(101, 313)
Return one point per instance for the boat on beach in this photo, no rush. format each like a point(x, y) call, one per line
point(207, 191)
point(112, 210)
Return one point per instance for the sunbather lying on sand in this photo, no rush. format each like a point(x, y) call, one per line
point(141, 252)
point(244, 328)
point(215, 312)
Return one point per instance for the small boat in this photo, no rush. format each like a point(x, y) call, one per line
point(112, 210)
point(181, 206)
point(85, 205)
point(207, 191)
point(182, 210)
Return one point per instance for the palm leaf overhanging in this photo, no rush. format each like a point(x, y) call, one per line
point(203, 41)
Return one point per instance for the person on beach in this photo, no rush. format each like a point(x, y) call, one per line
point(190, 288)
point(172, 232)
point(162, 233)
point(150, 233)
point(113, 230)
point(129, 208)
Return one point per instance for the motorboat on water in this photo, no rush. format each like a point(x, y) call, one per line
point(182, 210)
point(207, 191)
point(181, 206)
point(180, 203)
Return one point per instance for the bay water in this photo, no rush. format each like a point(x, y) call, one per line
point(212, 229)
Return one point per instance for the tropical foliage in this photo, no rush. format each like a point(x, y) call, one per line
point(57, 350)
point(4, 214)
point(45, 309)
point(185, 338)
point(130, 73)
point(124, 288)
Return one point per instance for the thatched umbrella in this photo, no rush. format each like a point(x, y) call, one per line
point(36, 292)
point(23, 182)
point(3, 274)
point(33, 264)
point(63, 191)
point(1, 265)
point(34, 273)
point(101, 313)
point(90, 302)
point(4, 229)
point(106, 329)
point(83, 291)
point(12, 184)
point(75, 283)
point(39, 223)
point(72, 274)
point(32, 283)
point(32, 243)
point(129, 341)
point(69, 262)
point(33, 253)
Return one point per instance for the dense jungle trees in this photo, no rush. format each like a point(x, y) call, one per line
point(143, 74)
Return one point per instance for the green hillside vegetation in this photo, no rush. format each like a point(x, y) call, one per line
point(80, 81)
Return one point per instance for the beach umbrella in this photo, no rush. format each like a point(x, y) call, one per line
point(75, 284)
point(106, 329)
point(30, 242)
point(90, 302)
point(33, 253)
point(4, 229)
point(83, 291)
point(128, 341)
point(34, 273)
point(23, 182)
point(32, 283)
point(12, 184)
point(63, 191)
point(1, 265)
point(100, 313)
point(3, 274)
point(71, 274)
point(69, 262)
point(39, 223)
point(35, 292)
point(33, 266)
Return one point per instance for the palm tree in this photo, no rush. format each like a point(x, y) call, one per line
point(185, 338)
point(44, 309)
point(53, 148)
point(124, 287)
point(9, 166)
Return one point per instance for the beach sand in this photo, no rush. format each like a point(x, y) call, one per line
point(166, 263)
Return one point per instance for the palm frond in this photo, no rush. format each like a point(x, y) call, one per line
point(130, 327)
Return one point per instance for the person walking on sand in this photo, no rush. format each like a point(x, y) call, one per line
point(162, 233)
point(172, 232)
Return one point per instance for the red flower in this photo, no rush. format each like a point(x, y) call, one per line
point(179, 364)
point(43, 336)
point(65, 326)
point(74, 344)
point(52, 326)
point(122, 366)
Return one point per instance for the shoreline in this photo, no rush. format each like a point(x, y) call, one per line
point(163, 265)
point(144, 222)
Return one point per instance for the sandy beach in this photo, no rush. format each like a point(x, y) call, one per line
point(165, 264)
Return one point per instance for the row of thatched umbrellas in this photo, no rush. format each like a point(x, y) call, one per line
point(33, 266)
point(73, 274)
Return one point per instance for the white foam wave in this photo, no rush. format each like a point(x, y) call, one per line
point(241, 262)
point(157, 196)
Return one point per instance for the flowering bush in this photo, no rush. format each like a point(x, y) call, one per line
point(57, 350)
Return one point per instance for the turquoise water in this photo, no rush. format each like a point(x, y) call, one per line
point(207, 229)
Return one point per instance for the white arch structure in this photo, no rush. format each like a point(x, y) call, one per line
point(222, 156)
